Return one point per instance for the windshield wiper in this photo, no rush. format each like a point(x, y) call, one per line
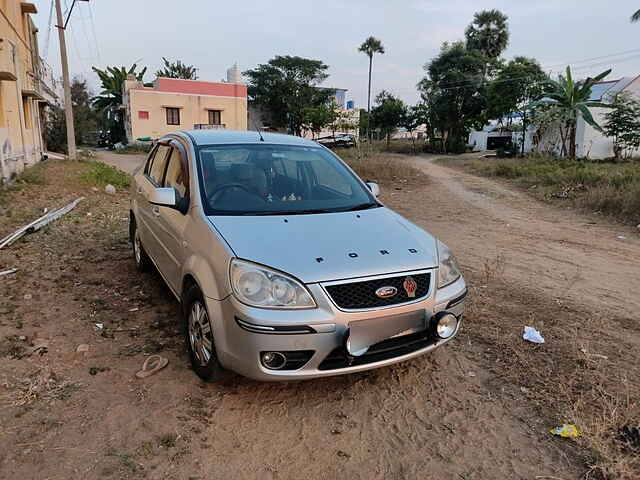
point(360, 206)
point(292, 212)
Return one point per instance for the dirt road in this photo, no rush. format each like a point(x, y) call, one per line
point(474, 410)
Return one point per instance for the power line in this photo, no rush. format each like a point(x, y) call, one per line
point(93, 28)
point(46, 43)
point(469, 83)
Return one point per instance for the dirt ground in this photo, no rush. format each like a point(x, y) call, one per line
point(479, 408)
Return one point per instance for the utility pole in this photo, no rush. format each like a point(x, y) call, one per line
point(68, 107)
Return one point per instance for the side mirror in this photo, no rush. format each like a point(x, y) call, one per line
point(164, 197)
point(375, 188)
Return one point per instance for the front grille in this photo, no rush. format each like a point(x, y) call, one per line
point(358, 295)
point(390, 348)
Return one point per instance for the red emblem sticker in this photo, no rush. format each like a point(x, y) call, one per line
point(410, 287)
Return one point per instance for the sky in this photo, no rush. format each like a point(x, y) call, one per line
point(590, 35)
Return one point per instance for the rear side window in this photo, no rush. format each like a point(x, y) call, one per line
point(156, 172)
point(176, 177)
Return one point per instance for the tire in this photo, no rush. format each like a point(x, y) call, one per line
point(199, 336)
point(143, 262)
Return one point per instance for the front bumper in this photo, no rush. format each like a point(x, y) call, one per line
point(239, 347)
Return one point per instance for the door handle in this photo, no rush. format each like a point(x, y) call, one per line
point(156, 211)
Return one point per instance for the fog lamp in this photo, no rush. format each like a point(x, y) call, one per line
point(273, 360)
point(445, 324)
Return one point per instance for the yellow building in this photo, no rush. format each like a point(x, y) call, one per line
point(26, 86)
point(176, 104)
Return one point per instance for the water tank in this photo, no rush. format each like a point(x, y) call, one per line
point(234, 75)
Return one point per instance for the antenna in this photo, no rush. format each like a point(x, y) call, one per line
point(257, 130)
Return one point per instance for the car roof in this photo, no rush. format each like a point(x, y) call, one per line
point(213, 137)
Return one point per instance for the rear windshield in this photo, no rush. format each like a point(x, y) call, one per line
point(276, 180)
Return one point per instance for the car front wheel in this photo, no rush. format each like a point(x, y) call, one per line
point(199, 336)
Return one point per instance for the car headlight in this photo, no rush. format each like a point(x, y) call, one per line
point(448, 270)
point(260, 286)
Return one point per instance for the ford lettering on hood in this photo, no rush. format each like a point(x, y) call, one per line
point(332, 246)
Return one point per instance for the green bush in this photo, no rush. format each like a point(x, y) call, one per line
point(102, 174)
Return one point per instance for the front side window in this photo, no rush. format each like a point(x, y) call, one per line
point(176, 177)
point(156, 173)
point(173, 116)
point(277, 179)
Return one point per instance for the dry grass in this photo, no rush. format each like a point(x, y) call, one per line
point(610, 188)
point(585, 374)
point(384, 168)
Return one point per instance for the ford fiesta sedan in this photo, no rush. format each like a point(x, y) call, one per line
point(286, 264)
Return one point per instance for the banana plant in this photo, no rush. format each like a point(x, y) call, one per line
point(109, 101)
point(112, 79)
point(571, 99)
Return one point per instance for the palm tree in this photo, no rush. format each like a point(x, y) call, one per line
point(177, 69)
point(636, 17)
point(572, 100)
point(488, 33)
point(370, 47)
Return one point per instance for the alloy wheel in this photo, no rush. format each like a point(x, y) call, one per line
point(200, 335)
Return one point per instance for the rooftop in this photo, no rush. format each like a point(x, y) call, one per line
point(197, 87)
point(606, 90)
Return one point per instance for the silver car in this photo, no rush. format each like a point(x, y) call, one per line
point(285, 263)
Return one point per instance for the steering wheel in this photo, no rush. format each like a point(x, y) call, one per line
point(218, 191)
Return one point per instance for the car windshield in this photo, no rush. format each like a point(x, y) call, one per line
point(267, 179)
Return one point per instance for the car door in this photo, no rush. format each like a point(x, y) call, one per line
point(151, 178)
point(171, 222)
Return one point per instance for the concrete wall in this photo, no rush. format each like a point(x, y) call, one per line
point(592, 143)
point(193, 107)
point(21, 141)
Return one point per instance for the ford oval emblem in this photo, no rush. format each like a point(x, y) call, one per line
point(386, 292)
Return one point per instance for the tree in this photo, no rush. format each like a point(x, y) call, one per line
point(177, 69)
point(413, 117)
point(370, 47)
point(85, 118)
point(636, 17)
point(388, 113)
point(517, 84)
point(623, 125)
point(454, 94)
point(488, 33)
point(572, 100)
point(109, 100)
point(286, 86)
point(318, 117)
point(55, 130)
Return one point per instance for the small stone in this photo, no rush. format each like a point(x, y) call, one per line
point(28, 296)
point(82, 348)
point(95, 189)
point(110, 189)
point(22, 338)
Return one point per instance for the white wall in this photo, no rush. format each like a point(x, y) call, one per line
point(590, 142)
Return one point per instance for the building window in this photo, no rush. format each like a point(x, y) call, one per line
point(215, 117)
point(142, 115)
point(173, 116)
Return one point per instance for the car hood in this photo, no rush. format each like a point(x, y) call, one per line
point(330, 246)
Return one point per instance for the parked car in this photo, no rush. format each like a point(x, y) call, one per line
point(341, 140)
point(286, 264)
